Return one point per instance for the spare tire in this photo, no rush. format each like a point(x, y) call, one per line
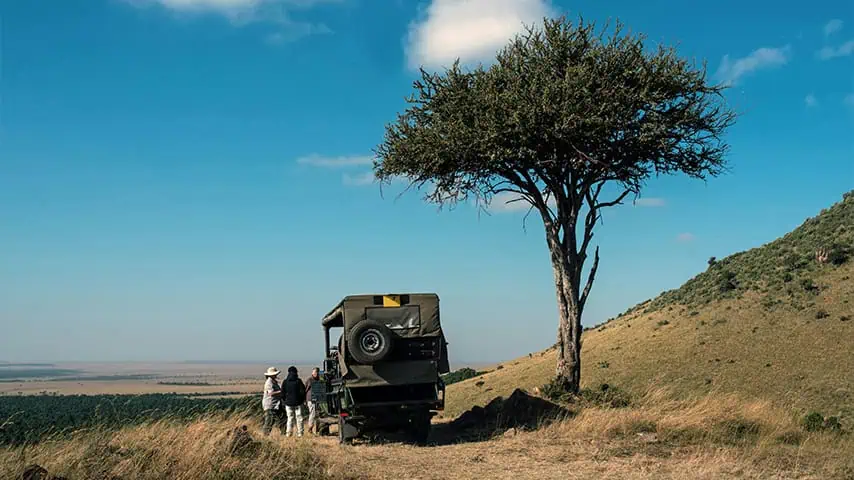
point(369, 341)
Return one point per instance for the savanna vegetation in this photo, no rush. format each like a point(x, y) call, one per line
point(459, 375)
point(32, 418)
point(8, 373)
point(654, 436)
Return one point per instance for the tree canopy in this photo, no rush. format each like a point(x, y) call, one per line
point(564, 112)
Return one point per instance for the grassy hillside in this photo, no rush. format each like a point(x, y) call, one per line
point(771, 323)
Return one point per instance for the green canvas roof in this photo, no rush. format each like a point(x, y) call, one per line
point(352, 307)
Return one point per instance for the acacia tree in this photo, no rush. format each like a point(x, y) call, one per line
point(570, 121)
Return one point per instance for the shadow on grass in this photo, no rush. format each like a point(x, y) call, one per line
point(519, 411)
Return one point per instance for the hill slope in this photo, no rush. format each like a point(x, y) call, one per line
point(774, 322)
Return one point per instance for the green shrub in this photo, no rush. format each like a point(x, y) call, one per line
point(813, 422)
point(808, 285)
point(459, 375)
point(554, 391)
point(793, 262)
point(727, 281)
point(832, 424)
point(838, 254)
point(605, 396)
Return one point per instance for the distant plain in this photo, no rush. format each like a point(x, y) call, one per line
point(97, 378)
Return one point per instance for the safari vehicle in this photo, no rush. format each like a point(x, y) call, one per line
point(384, 373)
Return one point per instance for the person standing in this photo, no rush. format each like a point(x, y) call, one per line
point(294, 393)
point(272, 402)
point(311, 402)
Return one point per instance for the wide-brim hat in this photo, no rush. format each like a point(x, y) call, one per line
point(272, 372)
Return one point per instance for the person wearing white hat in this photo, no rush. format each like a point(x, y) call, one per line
point(272, 402)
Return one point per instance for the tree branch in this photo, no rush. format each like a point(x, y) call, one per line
point(590, 277)
point(618, 201)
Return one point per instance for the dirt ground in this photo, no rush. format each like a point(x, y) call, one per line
point(529, 455)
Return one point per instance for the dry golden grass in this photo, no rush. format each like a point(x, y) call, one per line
point(716, 437)
point(710, 437)
point(159, 450)
point(782, 354)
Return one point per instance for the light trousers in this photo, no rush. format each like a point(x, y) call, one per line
point(294, 419)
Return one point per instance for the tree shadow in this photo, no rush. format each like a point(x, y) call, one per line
point(519, 411)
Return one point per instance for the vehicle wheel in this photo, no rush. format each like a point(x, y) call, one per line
point(369, 341)
point(342, 439)
point(346, 432)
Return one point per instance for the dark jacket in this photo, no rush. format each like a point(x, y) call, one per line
point(308, 383)
point(294, 390)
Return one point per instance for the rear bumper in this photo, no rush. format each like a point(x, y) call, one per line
point(433, 404)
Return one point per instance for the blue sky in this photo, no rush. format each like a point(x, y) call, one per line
point(190, 179)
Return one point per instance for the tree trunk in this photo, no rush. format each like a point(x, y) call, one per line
point(568, 372)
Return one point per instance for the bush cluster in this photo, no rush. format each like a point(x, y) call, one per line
point(605, 395)
point(459, 375)
point(31, 418)
point(816, 422)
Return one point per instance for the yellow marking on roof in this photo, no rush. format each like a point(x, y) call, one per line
point(391, 300)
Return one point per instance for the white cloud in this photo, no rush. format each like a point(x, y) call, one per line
point(471, 30)
point(843, 50)
point(832, 27)
point(316, 160)
point(244, 12)
point(344, 161)
point(509, 202)
point(506, 202)
point(650, 202)
point(685, 237)
point(810, 100)
point(358, 180)
point(220, 5)
point(731, 71)
point(295, 31)
point(229, 6)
